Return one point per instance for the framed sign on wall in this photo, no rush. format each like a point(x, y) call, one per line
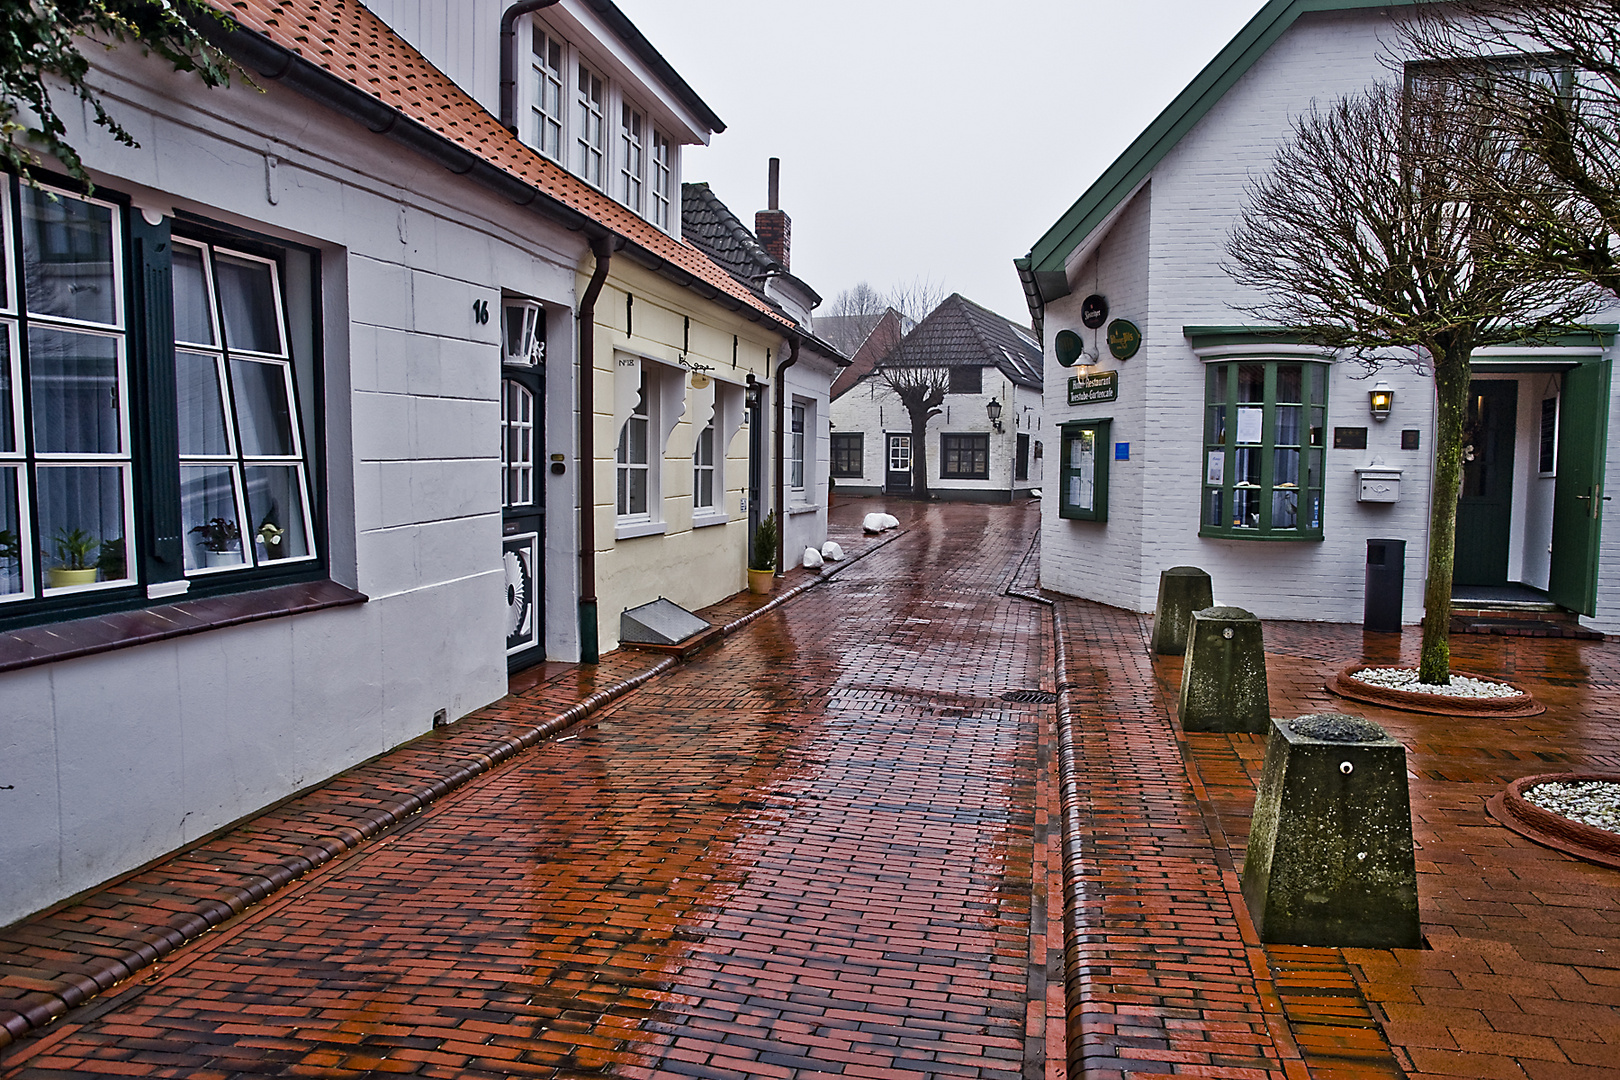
point(1083, 483)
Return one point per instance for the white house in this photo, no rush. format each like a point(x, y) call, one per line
point(301, 409)
point(986, 442)
point(1185, 437)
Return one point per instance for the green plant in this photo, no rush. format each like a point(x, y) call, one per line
point(219, 534)
point(10, 545)
point(764, 553)
point(73, 548)
point(39, 43)
point(111, 560)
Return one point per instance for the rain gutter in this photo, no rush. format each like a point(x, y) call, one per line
point(509, 20)
point(779, 389)
point(589, 648)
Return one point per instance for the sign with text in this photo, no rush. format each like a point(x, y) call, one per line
point(1098, 386)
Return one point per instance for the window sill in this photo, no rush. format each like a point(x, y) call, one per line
point(703, 520)
point(802, 508)
point(631, 530)
point(35, 645)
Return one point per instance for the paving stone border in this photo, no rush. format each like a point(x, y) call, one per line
point(1344, 685)
point(54, 962)
point(1512, 809)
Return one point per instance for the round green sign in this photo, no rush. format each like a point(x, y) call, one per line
point(1069, 347)
point(1123, 339)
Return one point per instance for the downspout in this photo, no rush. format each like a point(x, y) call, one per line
point(589, 651)
point(779, 386)
point(509, 58)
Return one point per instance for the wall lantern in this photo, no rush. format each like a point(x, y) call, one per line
point(523, 330)
point(993, 410)
point(1382, 399)
point(753, 391)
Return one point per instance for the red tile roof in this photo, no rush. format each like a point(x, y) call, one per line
point(345, 39)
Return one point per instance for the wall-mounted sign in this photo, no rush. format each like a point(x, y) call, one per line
point(1094, 311)
point(1123, 339)
point(1098, 386)
point(1069, 347)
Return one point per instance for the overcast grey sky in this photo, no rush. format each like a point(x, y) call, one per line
point(927, 139)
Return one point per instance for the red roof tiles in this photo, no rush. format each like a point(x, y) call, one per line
point(345, 39)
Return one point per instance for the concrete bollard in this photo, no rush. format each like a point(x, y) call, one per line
point(1330, 845)
point(1223, 679)
point(1182, 591)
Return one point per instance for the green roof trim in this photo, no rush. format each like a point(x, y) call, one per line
point(1161, 136)
point(1206, 337)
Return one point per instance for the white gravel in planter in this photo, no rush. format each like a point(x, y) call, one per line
point(1590, 802)
point(1462, 686)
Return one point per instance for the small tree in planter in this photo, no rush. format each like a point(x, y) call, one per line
point(74, 548)
point(762, 559)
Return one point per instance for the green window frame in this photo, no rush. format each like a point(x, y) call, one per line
point(1265, 425)
point(1083, 471)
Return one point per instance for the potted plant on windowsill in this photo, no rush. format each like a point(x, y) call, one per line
point(221, 541)
point(73, 551)
point(762, 563)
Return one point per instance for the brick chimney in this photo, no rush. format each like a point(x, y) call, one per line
point(773, 227)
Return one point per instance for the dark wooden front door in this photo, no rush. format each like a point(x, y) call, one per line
point(897, 473)
point(1485, 504)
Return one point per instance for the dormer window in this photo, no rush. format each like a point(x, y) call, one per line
point(548, 84)
point(592, 133)
point(632, 156)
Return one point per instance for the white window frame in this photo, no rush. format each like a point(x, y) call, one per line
point(798, 421)
point(632, 156)
point(661, 179)
point(625, 466)
point(547, 82)
point(590, 136)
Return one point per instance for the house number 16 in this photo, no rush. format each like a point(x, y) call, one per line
point(481, 311)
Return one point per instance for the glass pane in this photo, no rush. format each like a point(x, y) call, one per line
point(263, 413)
point(248, 298)
point(705, 487)
point(193, 314)
point(1217, 425)
point(1217, 382)
point(1212, 509)
point(1290, 383)
point(705, 446)
point(68, 257)
point(1251, 382)
point(623, 503)
point(1284, 509)
point(1318, 384)
point(1313, 468)
point(1285, 468)
point(11, 569)
point(1288, 418)
point(277, 511)
point(636, 486)
point(1247, 470)
point(1313, 510)
point(208, 513)
point(202, 405)
point(1318, 428)
point(8, 419)
point(81, 524)
point(1246, 508)
point(74, 379)
point(637, 430)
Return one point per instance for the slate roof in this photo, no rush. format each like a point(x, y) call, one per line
point(876, 345)
point(349, 43)
point(960, 333)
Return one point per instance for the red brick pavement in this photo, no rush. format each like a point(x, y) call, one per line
point(818, 849)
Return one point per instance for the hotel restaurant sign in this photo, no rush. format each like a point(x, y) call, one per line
point(1095, 387)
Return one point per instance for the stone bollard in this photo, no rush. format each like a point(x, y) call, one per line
point(1330, 845)
point(1182, 591)
point(1223, 679)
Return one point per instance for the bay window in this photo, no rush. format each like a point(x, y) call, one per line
point(150, 425)
point(1264, 428)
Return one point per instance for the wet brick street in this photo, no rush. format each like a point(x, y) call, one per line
point(814, 850)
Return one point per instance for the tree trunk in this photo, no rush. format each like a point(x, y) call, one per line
point(919, 455)
point(1451, 378)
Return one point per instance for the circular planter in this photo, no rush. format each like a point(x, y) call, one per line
point(761, 581)
point(59, 578)
point(1552, 830)
point(1521, 704)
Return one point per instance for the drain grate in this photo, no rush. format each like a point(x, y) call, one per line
point(1030, 697)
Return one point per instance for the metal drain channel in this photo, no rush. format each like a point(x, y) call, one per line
point(1030, 697)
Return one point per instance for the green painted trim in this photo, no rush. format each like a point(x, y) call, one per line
point(1144, 154)
point(1205, 337)
point(1271, 538)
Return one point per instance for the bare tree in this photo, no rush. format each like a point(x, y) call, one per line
point(1364, 240)
point(916, 299)
point(921, 390)
point(1553, 81)
point(854, 312)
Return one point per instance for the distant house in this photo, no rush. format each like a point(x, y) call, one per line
point(804, 375)
point(986, 442)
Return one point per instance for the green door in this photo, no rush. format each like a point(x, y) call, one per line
point(1485, 504)
point(1578, 496)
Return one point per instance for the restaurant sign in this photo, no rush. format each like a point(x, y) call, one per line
point(1089, 389)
